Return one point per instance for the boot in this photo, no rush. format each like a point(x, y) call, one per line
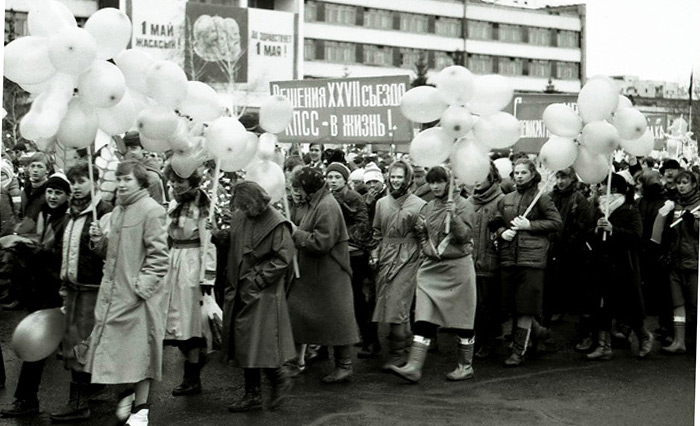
point(464, 368)
point(678, 344)
point(252, 399)
point(603, 351)
point(370, 350)
point(520, 341)
point(341, 373)
point(21, 408)
point(281, 385)
point(77, 407)
point(125, 404)
point(412, 371)
point(397, 350)
point(139, 416)
point(646, 342)
point(584, 343)
point(191, 383)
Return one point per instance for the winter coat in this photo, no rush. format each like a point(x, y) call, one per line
point(33, 200)
point(485, 254)
point(8, 216)
point(424, 192)
point(320, 301)
point(684, 236)
point(355, 216)
point(257, 332)
point(576, 215)
point(126, 345)
point(431, 229)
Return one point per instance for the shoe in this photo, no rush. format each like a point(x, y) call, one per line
point(397, 353)
point(251, 401)
point(124, 405)
point(584, 345)
point(646, 342)
point(341, 373)
point(294, 369)
point(21, 408)
point(677, 346)
point(77, 407)
point(485, 351)
point(372, 350)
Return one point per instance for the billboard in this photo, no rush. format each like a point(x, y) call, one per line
point(158, 28)
point(347, 110)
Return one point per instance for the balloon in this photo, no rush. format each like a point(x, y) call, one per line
point(266, 146)
point(35, 89)
point(558, 153)
point(562, 120)
point(623, 102)
point(119, 118)
point(469, 162)
point(166, 83)
point(46, 18)
point(38, 335)
point(504, 166)
point(431, 147)
point(184, 165)
point(270, 176)
point(72, 50)
point(630, 123)
point(422, 104)
point(111, 29)
point(27, 60)
point(154, 145)
point(498, 130)
point(591, 167)
point(276, 114)
point(243, 157)
point(102, 85)
point(641, 146)
point(600, 137)
point(597, 99)
point(226, 137)
point(134, 65)
point(180, 141)
point(456, 85)
point(156, 122)
point(492, 93)
point(202, 103)
point(456, 121)
point(28, 126)
point(79, 126)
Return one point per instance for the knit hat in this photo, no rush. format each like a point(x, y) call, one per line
point(357, 174)
point(59, 181)
point(372, 172)
point(340, 168)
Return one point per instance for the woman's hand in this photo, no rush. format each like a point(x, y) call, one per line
point(521, 223)
point(508, 234)
point(450, 207)
point(604, 225)
point(95, 232)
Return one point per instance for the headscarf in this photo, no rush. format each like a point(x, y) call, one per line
point(309, 179)
point(252, 195)
point(403, 189)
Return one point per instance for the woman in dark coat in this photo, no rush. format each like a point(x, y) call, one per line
point(257, 331)
point(321, 300)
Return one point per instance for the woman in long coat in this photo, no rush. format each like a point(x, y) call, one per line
point(257, 331)
point(126, 345)
point(321, 301)
point(397, 257)
point(446, 290)
point(185, 281)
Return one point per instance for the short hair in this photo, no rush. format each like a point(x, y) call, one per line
point(686, 174)
point(292, 162)
point(437, 174)
point(320, 145)
point(81, 169)
point(40, 157)
point(136, 168)
point(193, 179)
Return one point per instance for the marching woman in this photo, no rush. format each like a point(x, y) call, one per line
point(126, 345)
point(321, 300)
point(257, 333)
point(446, 281)
point(185, 281)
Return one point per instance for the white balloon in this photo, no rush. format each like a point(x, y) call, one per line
point(180, 141)
point(184, 165)
point(641, 146)
point(111, 29)
point(202, 102)
point(135, 64)
point(156, 122)
point(72, 50)
point(457, 121)
point(26, 60)
point(102, 85)
point(469, 162)
point(600, 137)
point(28, 126)
point(504, 167)
point(558, 153)
point(498, 130)
point(270, 176)
point(166, 83)
point(492, 93)
point(120, 118)
point(46, 18)
point(623, 102)
point(154, 145)
point(431, 147)
point(79, 126)
point(562, 120)
point(226, 137)
point(275, 114)
point(591, 167)
point(422, 104)
point(266, 146)
point(630, 123)
point(456, 85)
point(597, 100)
point(244, 157)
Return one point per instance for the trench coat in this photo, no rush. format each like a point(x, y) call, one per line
point(126, 345)
point(257, 332)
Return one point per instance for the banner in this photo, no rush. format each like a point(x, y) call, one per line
point(528, 109)
point(158, 28)
point(348, 110)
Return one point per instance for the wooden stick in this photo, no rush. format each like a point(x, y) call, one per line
point(92, 183)
point(450, 197)
point(288, 215)
point(607, 205)
point(541, 192)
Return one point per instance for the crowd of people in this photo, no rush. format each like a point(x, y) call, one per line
point(360, 241)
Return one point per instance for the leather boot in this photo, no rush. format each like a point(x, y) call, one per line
point(191, 382)
point(646, 342)
point(342, 371)
point(464, 368)
point(397, 350)
point(77, 407)
point(603, 351)
point(678, 344)
point(413, 370)
point(252, 399)
point(521, 336)
point(281, 385)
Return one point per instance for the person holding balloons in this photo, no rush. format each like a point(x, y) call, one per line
point(523, 245)
point(126, 345)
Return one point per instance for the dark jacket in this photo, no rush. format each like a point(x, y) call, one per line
point(485, 209)
point(355, 216)
point(33, 200)
point(684, 236)
point(576, 215)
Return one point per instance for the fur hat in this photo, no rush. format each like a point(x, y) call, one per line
point(340, 168)
point(372, 172)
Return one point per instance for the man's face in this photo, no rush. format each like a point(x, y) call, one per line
point(335, 181)
point(55, 197)
point(133, 153)
point(670, 175)
point(419, 177)
point(37, 171)
point(564, 181)
point(315, 153)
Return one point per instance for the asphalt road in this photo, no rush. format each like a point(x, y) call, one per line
point(558, 388)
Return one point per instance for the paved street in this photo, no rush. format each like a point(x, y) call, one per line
point(558, 388)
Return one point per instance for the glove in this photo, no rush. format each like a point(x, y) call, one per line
point(520, 223)
point(667, 208)
point(508, 234)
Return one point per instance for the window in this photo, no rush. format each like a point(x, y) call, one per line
point(448, 27)
point(479, 30)
point(567, 70)
point(409, 57)
point(443, 60)
point(567, 39)
point(15, 25)
point(339, 14)
point(509, 33)
point(539, 36)
point(414, 23)
point(480, 64)
point(310, 11)
point(540, 68)
point(341, 53)
point(378, 18)
point(377, 55)
point(510, 66)
point(309, 49)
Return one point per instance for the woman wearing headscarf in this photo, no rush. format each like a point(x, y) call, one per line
point(446, 281)
point(321, 300)
point(257, 330)
point(397, 258)
point(523, 245)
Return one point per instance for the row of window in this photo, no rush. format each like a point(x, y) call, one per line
point(387, 56)
point(383, 19)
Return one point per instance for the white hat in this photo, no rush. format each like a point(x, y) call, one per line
point(357, 174)
point(372, 172)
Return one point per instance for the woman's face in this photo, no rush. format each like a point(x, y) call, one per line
point(335, 181)
point(522, 174)
point(127, 184)
point(55, 197)
point(298, 194)
point(483, 184)
point(685, 186)
point(80, 187)
point(438, 188)
point(180, 185)
point(397, 177)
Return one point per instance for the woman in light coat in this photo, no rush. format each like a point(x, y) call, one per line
point(126, 346)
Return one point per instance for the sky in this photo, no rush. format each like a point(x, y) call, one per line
point(652, 39)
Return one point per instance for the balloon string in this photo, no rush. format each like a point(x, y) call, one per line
point(288, 215)
point(450, 197)
point(607, 203)
point(92, 183)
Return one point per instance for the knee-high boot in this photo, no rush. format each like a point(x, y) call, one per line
point(77, 407)
point(281, 385)
point(413, 370)
point(343, 365)
point(520, 341)
point(678, 344)
point(464, 368)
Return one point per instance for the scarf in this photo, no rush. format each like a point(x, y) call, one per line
point(78, 205)
point(486, 195)
point(690, 198)
point(192, 204)
point(126, 200)
point(615, 201)
point(525, 186)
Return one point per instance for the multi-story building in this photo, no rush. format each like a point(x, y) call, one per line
point(631, 85)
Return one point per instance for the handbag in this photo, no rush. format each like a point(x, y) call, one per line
point(212, 322)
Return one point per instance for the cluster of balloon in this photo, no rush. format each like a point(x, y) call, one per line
point(471, 121)
point(587, 137)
